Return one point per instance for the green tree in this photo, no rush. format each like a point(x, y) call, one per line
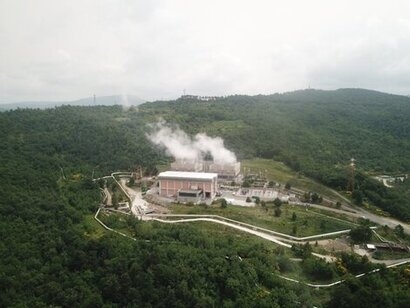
point(314, 197)
point(361, 234)
point(114, 200)
point(399, 230)
point(277, 202)
point(246, 184)
point(131, 182)
point(357, 197)
point(101, 183)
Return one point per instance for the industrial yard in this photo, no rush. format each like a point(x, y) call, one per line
point(325, 230)
point(253, 203)
point(206, 186)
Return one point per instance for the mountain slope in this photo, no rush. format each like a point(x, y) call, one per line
point(315, 132)
point(328, 127)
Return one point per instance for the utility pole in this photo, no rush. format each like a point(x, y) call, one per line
point(351, 175)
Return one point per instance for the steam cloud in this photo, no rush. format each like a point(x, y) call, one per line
point(182, 147)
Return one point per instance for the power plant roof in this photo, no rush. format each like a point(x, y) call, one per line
point(187, 175)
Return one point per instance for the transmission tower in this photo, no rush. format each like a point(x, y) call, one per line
point(351, 175)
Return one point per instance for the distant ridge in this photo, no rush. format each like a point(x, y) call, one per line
point(125, 100)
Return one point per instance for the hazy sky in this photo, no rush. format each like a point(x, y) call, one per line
point(62, 50)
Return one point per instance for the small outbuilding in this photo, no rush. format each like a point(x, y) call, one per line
point(370, 247)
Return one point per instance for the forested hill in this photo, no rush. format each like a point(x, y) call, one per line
point(313, 131)
point(53, 254)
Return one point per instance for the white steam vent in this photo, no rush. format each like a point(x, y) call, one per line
point(183, 147)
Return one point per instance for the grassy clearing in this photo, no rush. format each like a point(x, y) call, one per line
point(116, 221)
point(306, 223)
point(217, 231)
point(279, 172)
point(161, 232)
point(346, 218)
point(224, 127)
point(390, 255)
point(92, 228)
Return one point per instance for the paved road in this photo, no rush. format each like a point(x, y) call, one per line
point(397, 263)
point(359, 213)
point(108, 195)
point(390, 222)
point(138, 205)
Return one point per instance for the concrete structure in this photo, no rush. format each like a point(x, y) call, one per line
point(193, 196)
point(187, 165)
point(370, 247)
point(225, 171)
point(389, 246)
point(228, 171)
point(187, 185)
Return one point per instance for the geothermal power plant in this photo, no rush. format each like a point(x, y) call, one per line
point(193, 178)
point(188, 186)
point(192, 181)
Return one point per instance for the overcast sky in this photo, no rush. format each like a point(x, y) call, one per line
point(64, 50)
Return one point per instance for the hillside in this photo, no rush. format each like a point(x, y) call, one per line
point(53, 254)
point(313, 131)
point(328, 127)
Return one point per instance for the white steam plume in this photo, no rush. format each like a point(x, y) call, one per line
point(181, 146)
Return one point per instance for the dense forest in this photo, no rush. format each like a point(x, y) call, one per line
point(50, 255)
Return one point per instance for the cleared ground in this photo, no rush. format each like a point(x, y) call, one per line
point(280, 173)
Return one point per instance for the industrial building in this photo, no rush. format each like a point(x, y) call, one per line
point(227, 171)
point(188, 186)
point(187, 165)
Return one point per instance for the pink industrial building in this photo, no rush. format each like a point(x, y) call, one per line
point(188, 186)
